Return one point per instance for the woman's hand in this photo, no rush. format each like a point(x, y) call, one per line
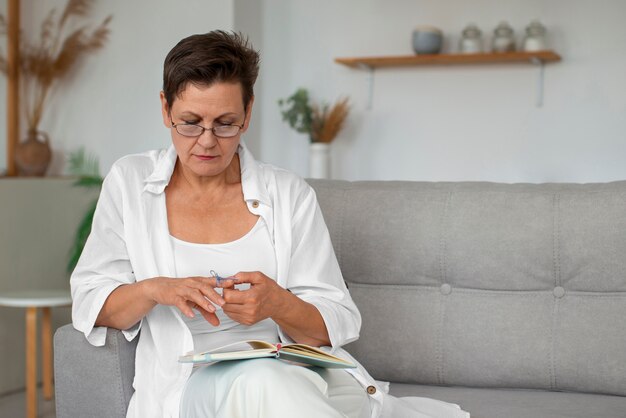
point(187, 294)
point(300, 320)
point(261, 301)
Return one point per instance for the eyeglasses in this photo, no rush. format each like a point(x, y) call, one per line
point(193, 131)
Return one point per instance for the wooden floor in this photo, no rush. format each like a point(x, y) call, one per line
point(13, 405)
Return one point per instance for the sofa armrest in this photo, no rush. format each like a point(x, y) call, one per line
point(92, 381)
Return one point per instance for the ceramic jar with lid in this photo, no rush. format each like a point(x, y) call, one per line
point(471, 40)
point(427, 40)
point(535, 39)
point(503, 38)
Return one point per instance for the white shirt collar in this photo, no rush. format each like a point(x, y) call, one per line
point(252, 182)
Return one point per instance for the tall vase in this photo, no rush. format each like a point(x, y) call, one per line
point(33, 156)
point(319, 160)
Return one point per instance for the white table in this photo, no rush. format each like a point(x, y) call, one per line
point(33, 300)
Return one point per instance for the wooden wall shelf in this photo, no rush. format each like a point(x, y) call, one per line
point(450, 59)
point(538, 58)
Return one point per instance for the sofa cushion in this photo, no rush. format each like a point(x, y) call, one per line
point(519, 403)
point(92, 381)
point(484, 284)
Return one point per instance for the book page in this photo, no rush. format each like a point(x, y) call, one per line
point(236, 347)
point(297, 353)
point(311, 351)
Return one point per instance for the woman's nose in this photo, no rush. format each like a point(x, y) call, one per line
point(207, 139)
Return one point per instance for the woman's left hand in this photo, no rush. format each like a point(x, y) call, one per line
point(252, 305)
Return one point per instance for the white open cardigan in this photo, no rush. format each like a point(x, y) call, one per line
point(130, 242)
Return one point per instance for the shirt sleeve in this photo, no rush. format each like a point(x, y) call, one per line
point(315, 276)
point(103, 265)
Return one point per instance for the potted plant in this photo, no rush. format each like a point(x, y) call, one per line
point(321, 123)
point(43, 63)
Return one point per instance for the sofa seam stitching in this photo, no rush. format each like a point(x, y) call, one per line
point(557, 282)
point(442, 313)
point(556, 240)
point(555, 320)
point(443, 239)
point(491, 292)
point(340, 239)
point(442, 272)
point(341, 225)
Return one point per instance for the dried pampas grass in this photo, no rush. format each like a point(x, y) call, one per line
point(327, 123)
point(54, 55)
point(322, 123)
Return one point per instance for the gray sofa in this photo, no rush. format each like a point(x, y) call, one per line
point(506, 299)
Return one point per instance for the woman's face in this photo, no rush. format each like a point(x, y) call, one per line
point(208, 106)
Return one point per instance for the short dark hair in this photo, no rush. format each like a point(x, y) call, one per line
point(217, 56)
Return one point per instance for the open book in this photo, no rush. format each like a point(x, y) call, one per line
point(295, 353)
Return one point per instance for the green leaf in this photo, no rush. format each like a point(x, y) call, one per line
point(89, 182)
point(297, 111)
point(84, 229)
point(81, 164)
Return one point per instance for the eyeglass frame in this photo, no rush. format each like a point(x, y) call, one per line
point(212, 129)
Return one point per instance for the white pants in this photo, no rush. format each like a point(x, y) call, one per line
point(267, 388)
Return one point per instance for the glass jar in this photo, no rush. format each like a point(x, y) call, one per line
point(471, 40)
point(503, 38)
point(535, 39)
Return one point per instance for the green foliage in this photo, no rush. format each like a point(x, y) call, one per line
point(82, 233)
point(87, 168)
point(297, 111)
point(83, 165)
point(89, 181)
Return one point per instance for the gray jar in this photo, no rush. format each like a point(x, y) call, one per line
point(503, 38)
point(427, 40)
point(471, 40)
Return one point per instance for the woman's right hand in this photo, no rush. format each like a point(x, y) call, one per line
point(187, 294)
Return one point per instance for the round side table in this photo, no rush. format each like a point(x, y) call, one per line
point(33, 300)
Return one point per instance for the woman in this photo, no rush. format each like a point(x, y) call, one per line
point(168, 220)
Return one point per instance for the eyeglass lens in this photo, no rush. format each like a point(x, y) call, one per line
point(224, 131)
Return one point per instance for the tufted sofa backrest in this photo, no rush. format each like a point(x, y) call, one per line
point(485, 284)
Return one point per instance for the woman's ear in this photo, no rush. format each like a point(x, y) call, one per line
point(165, 111)
point(246, 121)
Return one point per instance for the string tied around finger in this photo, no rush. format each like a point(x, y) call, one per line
point(219, 278)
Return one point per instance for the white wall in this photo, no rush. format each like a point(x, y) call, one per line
point(246, 20)
point(111, 103)
point(452, 123)
point(436, 123)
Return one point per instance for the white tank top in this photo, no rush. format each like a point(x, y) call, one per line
point(252, 252)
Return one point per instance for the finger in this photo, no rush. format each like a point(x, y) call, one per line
point(234, 309)
point(241, 314)
point(219, 281)
point(213, 282)
point(202, 281)
point(210, 317)
point(226, 282)
point(198, 299)
point(235, 296)
point(205, 285)
point(185, 308)
point(194, 296)
point(252, 277)
point(212, 295)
